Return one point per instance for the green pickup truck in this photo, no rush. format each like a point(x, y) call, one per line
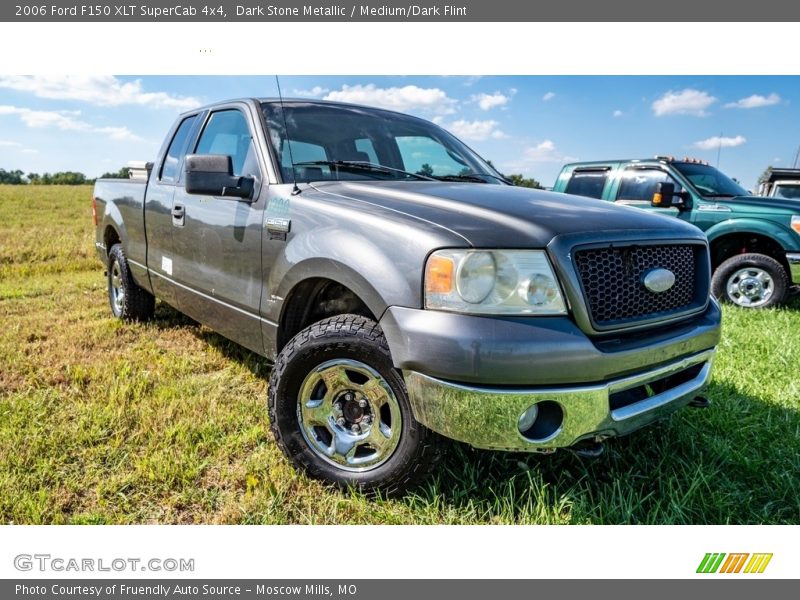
point(755, 241)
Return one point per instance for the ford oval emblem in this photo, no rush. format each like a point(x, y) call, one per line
point(658, 280)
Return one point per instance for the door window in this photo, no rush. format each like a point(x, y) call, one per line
point(226, 132)
point(639, 185)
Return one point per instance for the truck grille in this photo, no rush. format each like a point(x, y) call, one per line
point(612, 280)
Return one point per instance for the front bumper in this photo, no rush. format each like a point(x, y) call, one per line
point(487, 417)
point(794, 265)
point(535, 351)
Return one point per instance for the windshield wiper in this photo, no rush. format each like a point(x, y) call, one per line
point(476, 177)
point(361, 165)
point(719, 195)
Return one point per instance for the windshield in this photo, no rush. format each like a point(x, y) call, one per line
point(709, 181)
point(790, 191)
point(337, 142)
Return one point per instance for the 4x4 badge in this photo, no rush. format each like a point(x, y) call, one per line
point(658, 280)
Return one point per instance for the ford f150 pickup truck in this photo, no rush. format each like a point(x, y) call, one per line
point(755, 242)
point(404, 291)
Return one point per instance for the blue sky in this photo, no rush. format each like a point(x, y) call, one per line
point(524, 124)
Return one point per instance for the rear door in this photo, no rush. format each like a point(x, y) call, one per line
point(158, 211)
point(217, 243)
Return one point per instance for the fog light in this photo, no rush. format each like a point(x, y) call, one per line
point(541, 422)
point(527, 418)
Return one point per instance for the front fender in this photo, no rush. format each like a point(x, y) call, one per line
point(782, 235)
point(376, 277)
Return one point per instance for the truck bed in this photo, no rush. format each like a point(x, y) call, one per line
point(122, 201)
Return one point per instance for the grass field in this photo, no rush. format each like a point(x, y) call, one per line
point(105, 422)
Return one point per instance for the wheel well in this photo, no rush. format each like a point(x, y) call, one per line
point(313, 300)
point(110, 237)
point(732, 244)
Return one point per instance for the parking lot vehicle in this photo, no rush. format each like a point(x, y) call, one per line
point(781, 183)
point(404, 291)
point(755, 241)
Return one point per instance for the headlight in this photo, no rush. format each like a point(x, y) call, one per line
point(796, 223)
point(495, 282)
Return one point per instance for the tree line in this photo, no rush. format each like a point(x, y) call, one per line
point(19, 177)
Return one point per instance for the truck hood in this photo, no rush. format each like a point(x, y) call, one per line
point(491, 215)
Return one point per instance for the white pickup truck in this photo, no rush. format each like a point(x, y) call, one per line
point(781, 183)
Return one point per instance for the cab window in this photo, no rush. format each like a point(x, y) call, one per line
point(588, 183)
point(177, 148)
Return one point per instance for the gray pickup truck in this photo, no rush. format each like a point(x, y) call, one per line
point(404, 291)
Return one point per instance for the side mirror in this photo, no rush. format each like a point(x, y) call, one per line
point(664, 195)
point(212, 175)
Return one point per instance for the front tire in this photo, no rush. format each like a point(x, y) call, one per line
point(340, 410)
point(751, 281)
point(128, 301)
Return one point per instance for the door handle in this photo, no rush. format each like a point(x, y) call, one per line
point(178, 215)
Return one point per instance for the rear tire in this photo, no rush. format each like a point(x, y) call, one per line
point(128, 301)
point(751, 281)
point(340, 410)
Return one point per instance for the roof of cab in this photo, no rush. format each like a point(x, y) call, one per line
point(273, 100)
point(620, 161)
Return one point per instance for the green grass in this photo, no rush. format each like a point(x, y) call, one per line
point(104, 422)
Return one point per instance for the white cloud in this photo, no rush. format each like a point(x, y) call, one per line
point(29, 151)
point(543, 152)
point(65, 120)
point(472, 80)
point(684, 102)
point(755, 101)
point(8, 144)
point(475, 130)
point(549, 96)
point(715, 142)
point(314, 92)
point(122, 134)
point(490, 101)
point(101, 90)
point(409, 97)
point(618, 113)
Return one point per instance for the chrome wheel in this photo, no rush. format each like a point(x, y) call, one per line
point(349, 415)
point(751, 287)
point(117, 289)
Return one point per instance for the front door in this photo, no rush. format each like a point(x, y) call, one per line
point(217, 246)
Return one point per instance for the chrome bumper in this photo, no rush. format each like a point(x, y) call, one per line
point(488, 417)
point(794, 265)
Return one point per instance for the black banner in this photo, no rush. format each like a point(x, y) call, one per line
point(404, 10)
point(397, 589)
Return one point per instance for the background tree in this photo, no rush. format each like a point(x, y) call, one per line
point(765, 175)
point(57, 178)
point(522, 181)
point(123, 173)
point(426, 170)
point(16, 177)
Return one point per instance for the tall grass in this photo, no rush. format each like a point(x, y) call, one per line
point(104, 422)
